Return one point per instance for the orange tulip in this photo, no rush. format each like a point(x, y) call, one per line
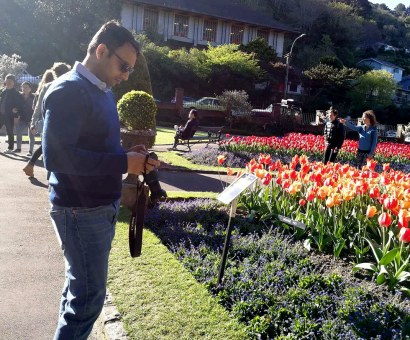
point(260, 173)
point(230, 172)
point(371, 211)
point(384, 220)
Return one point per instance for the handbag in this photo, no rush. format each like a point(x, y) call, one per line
point(139, 192)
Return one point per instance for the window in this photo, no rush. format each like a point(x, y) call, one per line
point(181, 26)
point(236, 34)
point(209, 33)
point(263, 34)
point(150, 20)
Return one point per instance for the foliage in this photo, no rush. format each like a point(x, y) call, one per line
point(12, 65)
point(236, 103)
point(137, 110)
point(374, 89)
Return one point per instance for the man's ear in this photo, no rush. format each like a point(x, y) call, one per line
point(101, 50)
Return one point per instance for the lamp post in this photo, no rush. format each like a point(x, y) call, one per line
point(288, 56)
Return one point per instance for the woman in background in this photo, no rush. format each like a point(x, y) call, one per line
point(367, 137)
point(24, 117)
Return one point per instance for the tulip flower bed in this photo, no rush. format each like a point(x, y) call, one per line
point(272, 283)
point(312, 146)
point(342, 209)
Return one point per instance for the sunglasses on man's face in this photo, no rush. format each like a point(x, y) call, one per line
point(124, 67)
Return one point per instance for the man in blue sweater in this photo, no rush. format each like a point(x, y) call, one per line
point(82, 152)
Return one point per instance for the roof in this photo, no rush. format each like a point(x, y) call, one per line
point(381, 62)
point(223, 10)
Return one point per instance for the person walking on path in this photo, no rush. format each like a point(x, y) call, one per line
point(367, 137)
point(25, 115)
point(48, 77)
point(10, 104)
point(56, 71)
point(82, 152)
point(334, 135)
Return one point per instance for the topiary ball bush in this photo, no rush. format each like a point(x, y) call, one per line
point(137, 110)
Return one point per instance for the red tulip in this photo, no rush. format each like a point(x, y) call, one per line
point(221, 159)
point(404, 235)
point(267, 179)
point(302, 202)
point(384, 220)
point(390, 203)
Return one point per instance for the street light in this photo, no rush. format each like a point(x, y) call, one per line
point(288, 56)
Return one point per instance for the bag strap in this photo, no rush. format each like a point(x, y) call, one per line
point(137, 217)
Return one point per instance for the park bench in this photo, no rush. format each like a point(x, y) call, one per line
point(213, 134)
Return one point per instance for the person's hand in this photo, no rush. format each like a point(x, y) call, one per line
point(138, 148)
point(14, 110)
point(342, 120)
point(139, 163)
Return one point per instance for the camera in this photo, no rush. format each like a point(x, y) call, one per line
point(151, 179)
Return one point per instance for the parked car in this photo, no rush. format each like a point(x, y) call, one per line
point(185, 100)
point(25, 76)
point(205, 103)
point(267, 112)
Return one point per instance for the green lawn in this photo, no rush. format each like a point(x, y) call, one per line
point(158, 298)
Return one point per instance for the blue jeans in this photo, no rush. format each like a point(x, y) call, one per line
point(21, 129)
point(85, 236)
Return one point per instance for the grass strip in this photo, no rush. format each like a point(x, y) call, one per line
point(158, 298)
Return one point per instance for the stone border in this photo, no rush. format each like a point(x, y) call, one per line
point(110, 321)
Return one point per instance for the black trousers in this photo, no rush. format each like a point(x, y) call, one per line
point(361, 158)
point(36, 155)
point(8, 121)
point(330, 155)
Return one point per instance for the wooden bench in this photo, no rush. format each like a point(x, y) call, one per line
point(213, 135)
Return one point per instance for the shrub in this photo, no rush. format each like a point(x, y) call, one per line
point(137, 110)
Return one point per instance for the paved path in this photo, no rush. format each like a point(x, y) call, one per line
point(31, 263)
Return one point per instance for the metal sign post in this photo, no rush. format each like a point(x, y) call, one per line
point(230, 195)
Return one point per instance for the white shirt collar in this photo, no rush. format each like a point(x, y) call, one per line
point(85, 72)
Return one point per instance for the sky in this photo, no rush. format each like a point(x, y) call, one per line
point(391, 3)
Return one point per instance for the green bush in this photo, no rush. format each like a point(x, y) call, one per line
point(137, 110)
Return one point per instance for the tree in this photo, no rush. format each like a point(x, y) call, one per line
point(374, 89)
point(329, 83)
point(11, 65)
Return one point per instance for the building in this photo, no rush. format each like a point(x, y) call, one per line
point(203, 22)
point(377, 64)
point(403, 92)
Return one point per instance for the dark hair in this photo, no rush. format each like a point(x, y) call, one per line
point(60, 68)
point(194, 112)
point(10, 76)
point(30, 85)
point(113, 35)
point(372, 117)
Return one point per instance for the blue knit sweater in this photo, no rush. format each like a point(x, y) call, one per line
point(81, 143)
point(367, 138)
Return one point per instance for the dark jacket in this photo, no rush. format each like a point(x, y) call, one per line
point(189, 129)
point(13, 100)
point(28, 110)
point(334, 134)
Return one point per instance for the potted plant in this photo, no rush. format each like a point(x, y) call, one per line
point(137, 110)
